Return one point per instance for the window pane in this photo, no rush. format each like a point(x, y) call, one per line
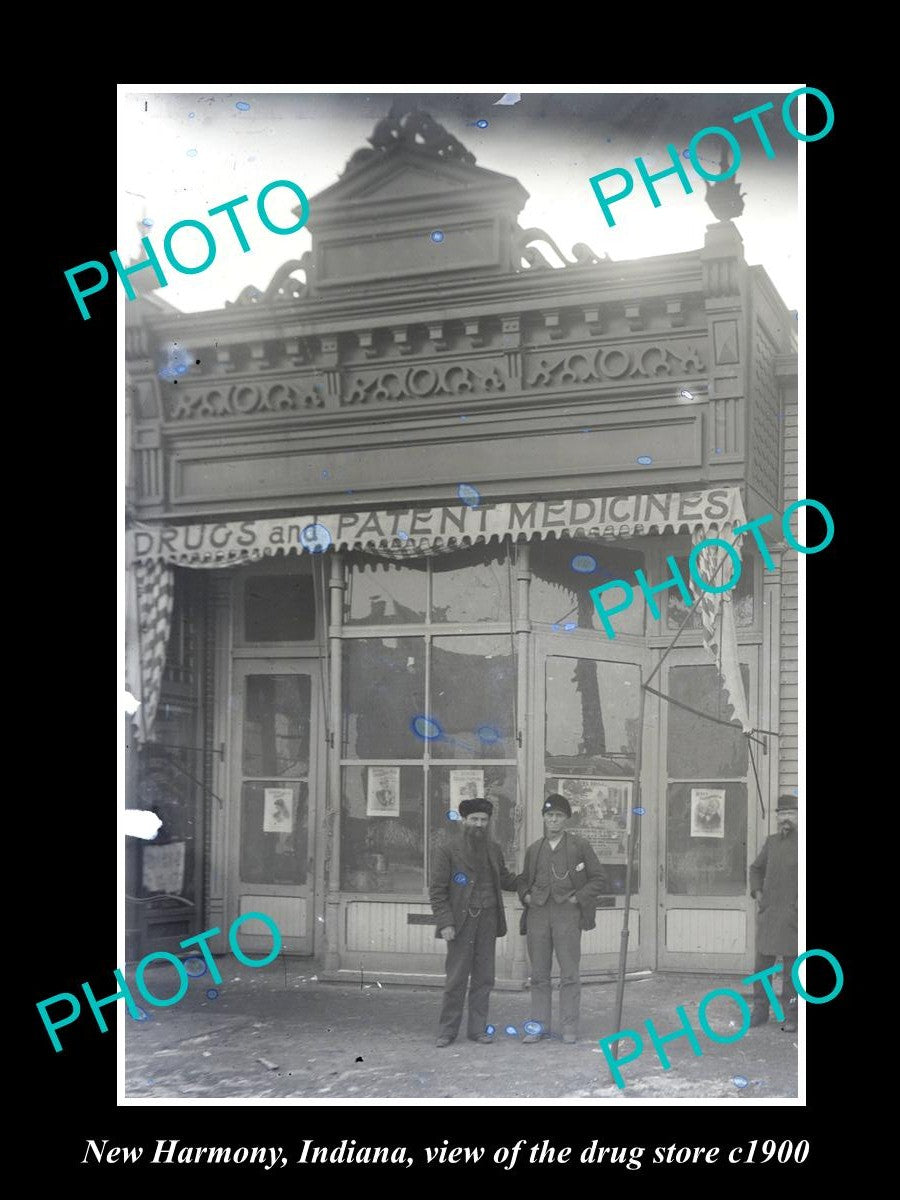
point(276, 726)
point(384, 691)
point(384, 853)
point(165, 788)
point(699, 748)
point(279, 608)
point(742, 596)
point(473, 681)
point(713, 860)
point(591, 717)
point(384, 593)
point(274, 832)
point(469, 586)
point(558, 594)
point(447, 786)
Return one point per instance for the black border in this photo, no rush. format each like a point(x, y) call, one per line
point(71, 699)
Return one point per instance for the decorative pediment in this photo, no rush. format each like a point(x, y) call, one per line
point(406, 174)
point(413, 204)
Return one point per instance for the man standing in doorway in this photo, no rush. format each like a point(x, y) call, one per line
point(773, 884)
point(559, 887)
point(467, 875)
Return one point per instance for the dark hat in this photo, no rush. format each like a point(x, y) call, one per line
point(557, 803)
point(788, 804)
point(467, 807)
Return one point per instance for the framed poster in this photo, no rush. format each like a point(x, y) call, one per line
point(708, 812)
point(278, 810)
point(465, 784)
point(601, 813)
point(383, 792)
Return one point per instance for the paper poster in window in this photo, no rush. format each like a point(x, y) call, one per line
point(601, 814)
point(163, 869)
point(278, 813)
point(383, 792)
point(465, 784)
point(708, 812)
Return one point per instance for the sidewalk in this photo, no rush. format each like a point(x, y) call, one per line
point(278, 1032)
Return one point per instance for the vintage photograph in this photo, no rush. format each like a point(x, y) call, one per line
point(383, 796)
point(708, 812)
point(441, 443)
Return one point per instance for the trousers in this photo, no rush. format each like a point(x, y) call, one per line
point(788, 991)
point(470, 961)
point(555, 927)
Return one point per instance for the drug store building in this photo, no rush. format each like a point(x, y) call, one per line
point(363, 528)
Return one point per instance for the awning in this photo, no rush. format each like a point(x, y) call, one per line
point(408, 532)
point(401, 533)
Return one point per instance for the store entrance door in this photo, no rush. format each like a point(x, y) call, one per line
point(588, 708)
point(708, 819)
point(271, 836)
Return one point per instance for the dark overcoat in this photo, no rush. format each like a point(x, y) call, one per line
point(585, 873)
point(775, 874)
point(452, 856)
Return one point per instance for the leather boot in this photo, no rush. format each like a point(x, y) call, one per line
point(759, 1016)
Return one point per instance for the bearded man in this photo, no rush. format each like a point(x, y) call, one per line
point(467, 875)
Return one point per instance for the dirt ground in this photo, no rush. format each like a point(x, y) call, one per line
point(279, 1032)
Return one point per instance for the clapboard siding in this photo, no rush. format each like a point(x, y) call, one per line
point(706, 930)
point(788, 670)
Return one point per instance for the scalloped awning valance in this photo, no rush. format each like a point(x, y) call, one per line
point(412, 532)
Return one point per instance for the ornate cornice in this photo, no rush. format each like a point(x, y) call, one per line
point(410, 129)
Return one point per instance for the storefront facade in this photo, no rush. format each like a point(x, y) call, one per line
point(482, 442)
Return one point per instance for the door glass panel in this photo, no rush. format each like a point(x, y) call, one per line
point(274, 832)
point(706, 839)
point(591, 724)
point(383, 829)
point(563, 574)
point(276, 726)
point(700, 748)
point(274, 846)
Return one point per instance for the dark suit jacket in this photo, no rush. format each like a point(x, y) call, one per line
point(587, 876)
point(450, 900)
point(775, 874)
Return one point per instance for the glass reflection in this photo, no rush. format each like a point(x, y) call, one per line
point(697, 747)
point(276, 726)
point(473, 681)
point(384, 690)
point(383, 853)
point(447, 786)
point(469, 586)
point(274, 833)
point(591, 716)
point(706, 859)
point(559, 591)
point(741, 596)
point(385, 593)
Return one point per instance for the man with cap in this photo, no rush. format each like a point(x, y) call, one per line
point(467, 875)
point(559, 888)
point(773, 884)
